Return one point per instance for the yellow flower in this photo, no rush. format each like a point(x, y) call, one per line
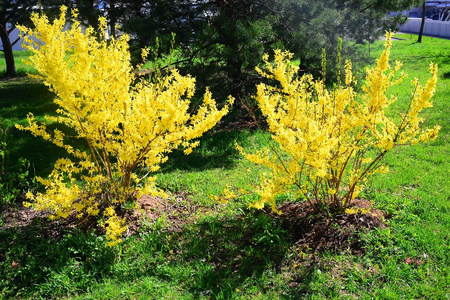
point(126, 125)
point(331, 137)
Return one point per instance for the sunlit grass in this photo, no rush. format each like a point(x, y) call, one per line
point(19, 59)
point(230, 252)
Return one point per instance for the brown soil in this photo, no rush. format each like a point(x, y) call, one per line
point(17, 217)
point(309, 230)
point(177, 211)
point(21, 218)
point(319, 231)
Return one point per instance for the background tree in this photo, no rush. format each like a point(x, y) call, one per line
point(422, 24)
point(223, 41)
point(12, 12)
point(90, 10)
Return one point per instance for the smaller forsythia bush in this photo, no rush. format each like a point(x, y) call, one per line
point(127, 126)
point(328, 142)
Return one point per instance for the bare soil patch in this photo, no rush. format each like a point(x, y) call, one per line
point(309, 230)
point(178, 210)
point(12, 216)
point(319, 231)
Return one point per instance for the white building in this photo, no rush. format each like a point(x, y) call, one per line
point(437, 19)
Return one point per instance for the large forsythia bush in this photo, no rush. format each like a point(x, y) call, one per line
point(328, 142)
point(127, 126)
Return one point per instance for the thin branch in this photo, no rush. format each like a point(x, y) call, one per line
point(11, 29)
point(15, 42)
point(264, 137)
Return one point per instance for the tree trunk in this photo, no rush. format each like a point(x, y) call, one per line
point(422, 24)
point(7, 49)
point(234, 70)
point(112, 25)
point(112, 19)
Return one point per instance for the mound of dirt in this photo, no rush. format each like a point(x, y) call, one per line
point(319, 231)
point(21, 216)
point(309, 228)
point(177, 212)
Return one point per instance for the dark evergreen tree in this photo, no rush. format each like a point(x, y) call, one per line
point(223, 40)
point(88, 10)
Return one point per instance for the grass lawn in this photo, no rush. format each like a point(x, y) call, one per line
point(225, 251)
point(21, 67)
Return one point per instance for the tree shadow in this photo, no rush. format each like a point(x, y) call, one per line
point(18, 98)
point(225, 253)
point(40, 153)
point(213, 256)
point(22, 96)
point(216, 150)
point(31, 254)
point(237, 249)
point(446, 75)
point(251, 248)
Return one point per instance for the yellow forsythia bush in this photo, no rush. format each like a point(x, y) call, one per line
point(126, 125)
point(328, 142)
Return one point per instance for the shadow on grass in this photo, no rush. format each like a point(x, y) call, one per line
point(215, 257)
point(253, 252)
point(216, 150)
point(40, 153)
point(238, 251)
point(19, 96)
point(41, 259)
point(218, 256)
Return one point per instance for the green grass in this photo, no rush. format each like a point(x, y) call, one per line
point(20, 96)
point(21, 67)
point(229, 252)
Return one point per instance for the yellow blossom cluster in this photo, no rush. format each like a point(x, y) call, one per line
point(328, 142)
point(127, 125)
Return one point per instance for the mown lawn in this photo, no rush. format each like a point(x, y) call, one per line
point(225, 251)
point(21, 67)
